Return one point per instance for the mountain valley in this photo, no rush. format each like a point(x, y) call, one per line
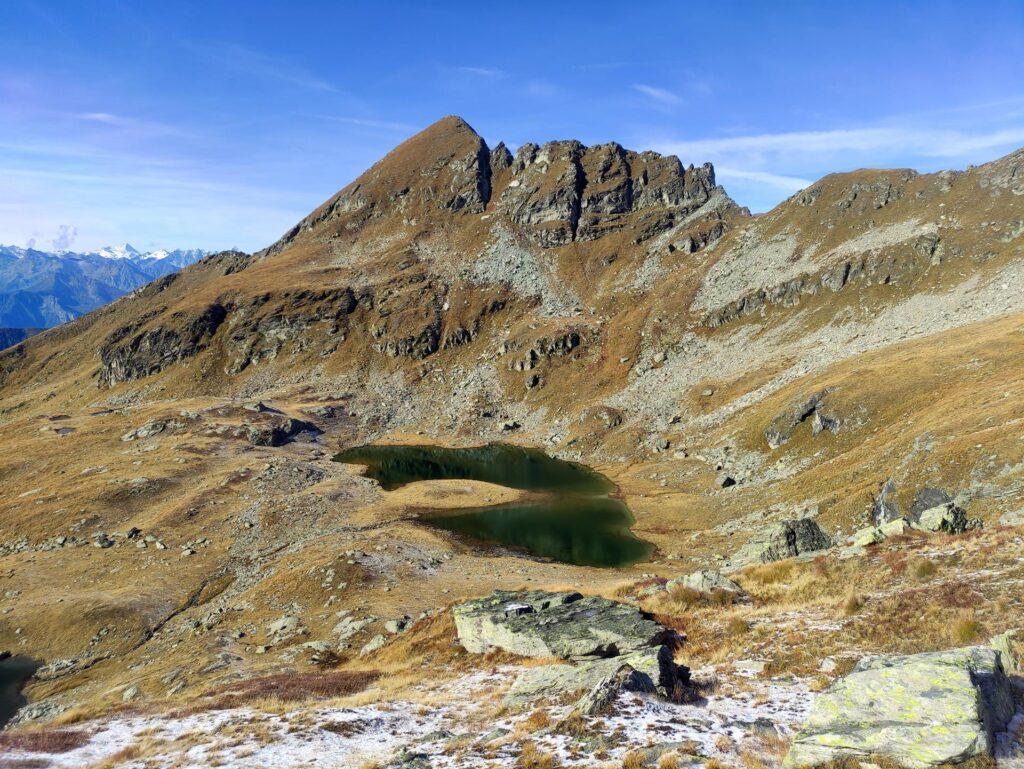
point(782, 402)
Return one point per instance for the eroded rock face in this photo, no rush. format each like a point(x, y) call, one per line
point(923, 710)
point(563, 191)
point(813, 408)
point(786, 539)
point(563, 625)
point(157, 348)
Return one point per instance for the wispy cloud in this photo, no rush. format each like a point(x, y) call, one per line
point(779, 181)
point(660, 95)
point(385, 125)
point(757, 167)
point(481, 71)
point(923, 141)
point(256, 63)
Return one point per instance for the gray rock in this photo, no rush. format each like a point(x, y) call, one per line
point(1010, 646)
point(705, 582)
point(373, 644)
point(653, 670)
point(286, 627)
point(922, 710)
point(148, 430)
point(131, 693)
point(947, 518)
point(280, 432)
point(885, 508)
point(927, 498)
point(813, 407)
point(349, 626)
point(782, 540)
point(601, 699)
point(562, 625)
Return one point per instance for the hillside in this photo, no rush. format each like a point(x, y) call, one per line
point(858, 348)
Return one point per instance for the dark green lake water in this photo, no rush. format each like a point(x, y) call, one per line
point(13, 673)
point(577, 522)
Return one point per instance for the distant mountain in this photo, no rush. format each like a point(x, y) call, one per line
point(39, 289)
point(11, 336)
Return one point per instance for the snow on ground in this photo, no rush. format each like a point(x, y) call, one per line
point(455, 726)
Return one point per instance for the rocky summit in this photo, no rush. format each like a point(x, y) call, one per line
point(807, 422)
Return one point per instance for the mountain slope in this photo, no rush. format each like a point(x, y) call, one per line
point(614, 307)
point(41, 289)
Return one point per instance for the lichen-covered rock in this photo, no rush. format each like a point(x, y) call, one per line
point(922, 710)
point(562, 625)
point(782, 540)
point(948, 518)
point(705, 582)
point(872, 535)
point(1010, 646)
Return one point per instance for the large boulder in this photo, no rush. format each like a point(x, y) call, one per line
point(564, 625)
point(705, 582)
point(922, 710)
point(782, 540)
point(948, 518)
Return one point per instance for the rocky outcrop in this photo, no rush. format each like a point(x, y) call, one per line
point(921, 710)
point(786, 539)
point(153, 350)
point(563, 192)
point(260, 327)
point(280, 432)
point(562, 625)
point(556, 346)
point(875, 268)
point(948, 518)
point(885, 508)
point(813, 408)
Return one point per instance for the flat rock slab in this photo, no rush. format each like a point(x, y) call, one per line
point(922, 710)
point(558, 625)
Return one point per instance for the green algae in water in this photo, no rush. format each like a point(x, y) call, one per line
point(586, 531)
point(578, 523)
point(499, 463)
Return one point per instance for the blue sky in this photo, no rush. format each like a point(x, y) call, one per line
point(219, 124)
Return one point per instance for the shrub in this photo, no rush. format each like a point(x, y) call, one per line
point(294, 687)
point(925, 569)
point(852, 604)
point(44, 740)
point(966, 629)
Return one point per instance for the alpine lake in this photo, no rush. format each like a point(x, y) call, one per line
point(576, 518)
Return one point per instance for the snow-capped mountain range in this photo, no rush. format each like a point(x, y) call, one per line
point(39, 289)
